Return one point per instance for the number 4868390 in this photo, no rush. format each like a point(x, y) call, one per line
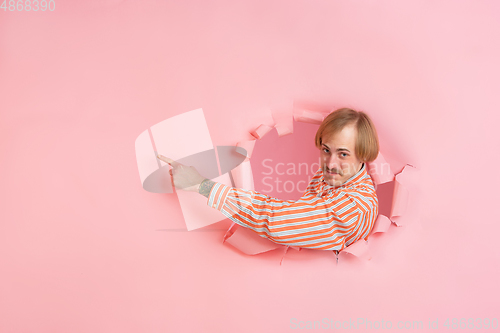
point(28, 5)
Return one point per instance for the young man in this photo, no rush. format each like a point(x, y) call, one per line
point(338, 207)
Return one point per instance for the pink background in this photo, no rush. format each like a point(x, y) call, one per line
point(83, 248)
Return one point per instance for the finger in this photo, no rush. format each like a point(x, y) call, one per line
point(170, 161)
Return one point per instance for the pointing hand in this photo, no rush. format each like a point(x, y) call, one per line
point(185, 177)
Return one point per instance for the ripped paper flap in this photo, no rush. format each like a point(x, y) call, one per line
point(248, 242)
point(308, 116)
point(283, 119)
point(380, 170)
point(358, 248)
point(245, 148)
point(242, 176)
point(401, 193)
point(261, 131)
point(382, 224)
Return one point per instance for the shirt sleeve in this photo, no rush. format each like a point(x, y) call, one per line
point(329, 222)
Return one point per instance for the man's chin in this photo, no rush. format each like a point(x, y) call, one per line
point(332, 182)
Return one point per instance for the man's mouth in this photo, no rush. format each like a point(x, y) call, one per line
point(332, 172)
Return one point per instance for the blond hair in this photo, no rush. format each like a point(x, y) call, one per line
point(367, 147)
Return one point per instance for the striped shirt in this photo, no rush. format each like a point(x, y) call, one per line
point(324, 218)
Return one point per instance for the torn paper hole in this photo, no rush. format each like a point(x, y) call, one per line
point(153, 174)
point(379, 170)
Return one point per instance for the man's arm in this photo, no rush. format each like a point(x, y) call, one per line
point(312, 222)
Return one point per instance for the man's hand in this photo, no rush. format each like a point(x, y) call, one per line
point(185, 177)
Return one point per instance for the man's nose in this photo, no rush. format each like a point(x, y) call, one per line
point(332, 162)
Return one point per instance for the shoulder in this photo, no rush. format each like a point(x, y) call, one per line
point(364, 195)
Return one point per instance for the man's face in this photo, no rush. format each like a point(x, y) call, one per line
point(338, 160)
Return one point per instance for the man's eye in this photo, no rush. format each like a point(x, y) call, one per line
point(325, 150)
point(343, 154)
